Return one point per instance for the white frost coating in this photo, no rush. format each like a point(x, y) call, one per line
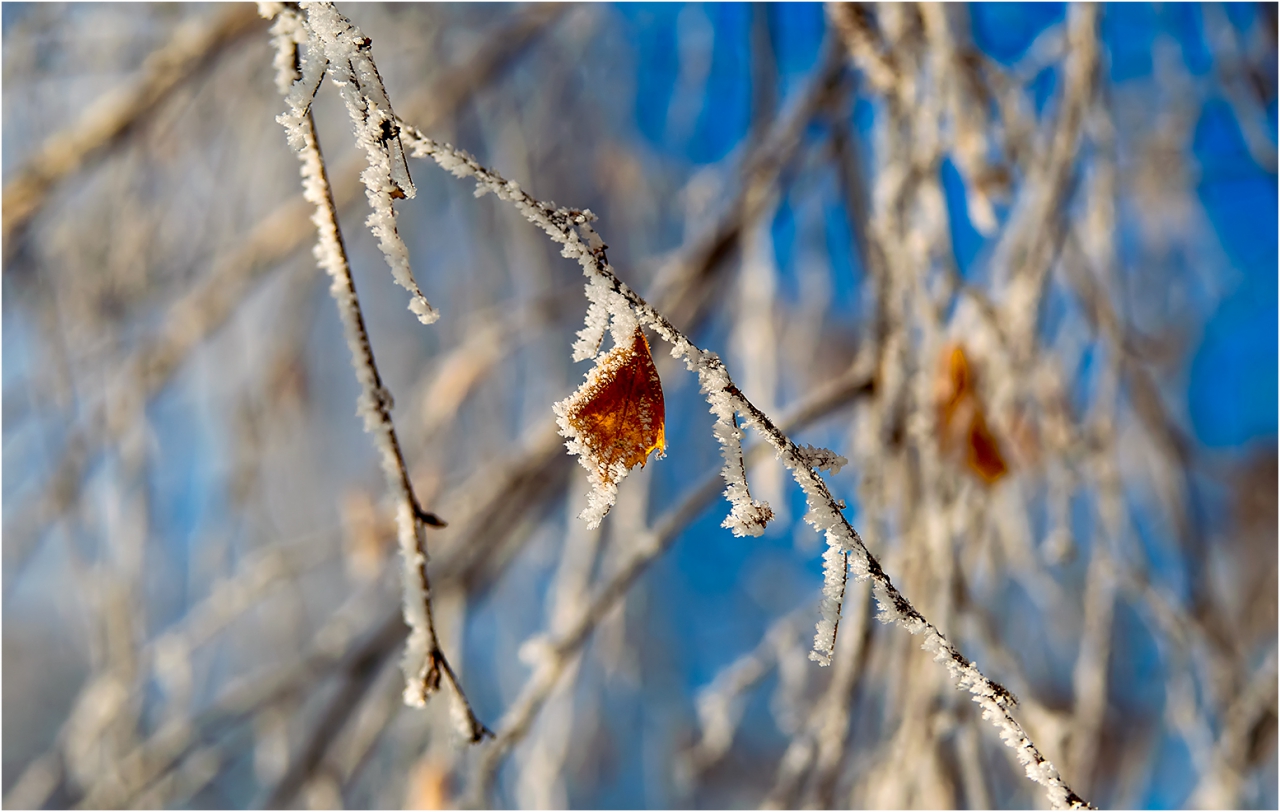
point(349, 54)
point(748, 516)
point(287, 33)
point(603, 493)
point(824, 640)
point(590, 337)
point(822, 459)
point(995, 703)
point(415, 660)
point(377, 132)
point(608, 309)
point(845, 548)
point(622, 319)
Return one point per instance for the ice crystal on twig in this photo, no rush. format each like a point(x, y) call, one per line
point(747, 516)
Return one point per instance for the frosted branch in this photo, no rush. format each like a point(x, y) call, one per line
point(846, 549)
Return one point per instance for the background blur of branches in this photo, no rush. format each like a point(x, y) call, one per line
point(1017, 264)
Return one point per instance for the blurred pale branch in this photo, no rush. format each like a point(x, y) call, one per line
point(109, 120)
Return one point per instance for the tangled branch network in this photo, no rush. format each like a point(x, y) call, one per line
point(336, 48)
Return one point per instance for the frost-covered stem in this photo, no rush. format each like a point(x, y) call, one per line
point(424, 662)
point(845, 546)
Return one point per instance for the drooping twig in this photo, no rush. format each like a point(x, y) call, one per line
point(424, 661)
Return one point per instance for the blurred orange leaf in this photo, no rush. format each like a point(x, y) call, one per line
point(428, 785)
point(961, 421)
point(618, 414)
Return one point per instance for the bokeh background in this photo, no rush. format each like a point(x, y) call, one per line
point(1044, 236)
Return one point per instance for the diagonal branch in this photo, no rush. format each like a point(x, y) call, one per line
point(106, 122)
point(568, 227)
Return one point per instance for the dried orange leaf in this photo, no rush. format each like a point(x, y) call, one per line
point(961, 421)
point(617, 416)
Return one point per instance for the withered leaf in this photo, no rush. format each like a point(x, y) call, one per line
point(618, 414)
point(962, 424)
